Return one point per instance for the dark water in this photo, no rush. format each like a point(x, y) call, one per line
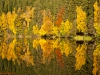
point(49, 57)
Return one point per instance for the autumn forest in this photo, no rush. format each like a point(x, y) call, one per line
point(50, 37)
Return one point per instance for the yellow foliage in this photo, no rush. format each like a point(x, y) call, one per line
point(10, 20)
point(23, 53)
point(47, 24)
point(27, 58)
point(81, 19)
point(11, 53)
point(55, 30)
point(35, 43)
point(47, 27)
point(14, 21)
point(65, 27)
point(18, 49)
point(66, 48)
point(3, 50)
point(97, 18)
point(28, 14)
point(47, 48)
point(55, 43)
point(35, 29)
point(42, 42)
point(96, 55)
point(7, 21)
point(97, 50)
point(68, 26)
point(80, 56)
point(96, 12)
point(97, 27)
point(24, 19)
point(3, 21)
point(42, 32)
point(95, 65)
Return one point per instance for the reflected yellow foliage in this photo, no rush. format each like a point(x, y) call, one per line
point(11, 55)
point(55, 43)
point(35, 44)
point(66, 47)
point(80, 56)
point(42, 42)
point(47, 49)
point(18, 50)
point(7, 50)
point(96, 60)
point(3, 49)
point(48, 46)
point(15, 51)
point(27, 56)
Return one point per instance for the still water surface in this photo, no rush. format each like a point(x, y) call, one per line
point(49, 57)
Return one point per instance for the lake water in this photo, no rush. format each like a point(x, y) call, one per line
point(27, 56)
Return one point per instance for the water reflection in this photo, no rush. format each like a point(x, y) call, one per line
point(57, 47)
point(55, 56)
point(23, 52)
point(16, 50)
point(96, 60)
point(80, 56)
